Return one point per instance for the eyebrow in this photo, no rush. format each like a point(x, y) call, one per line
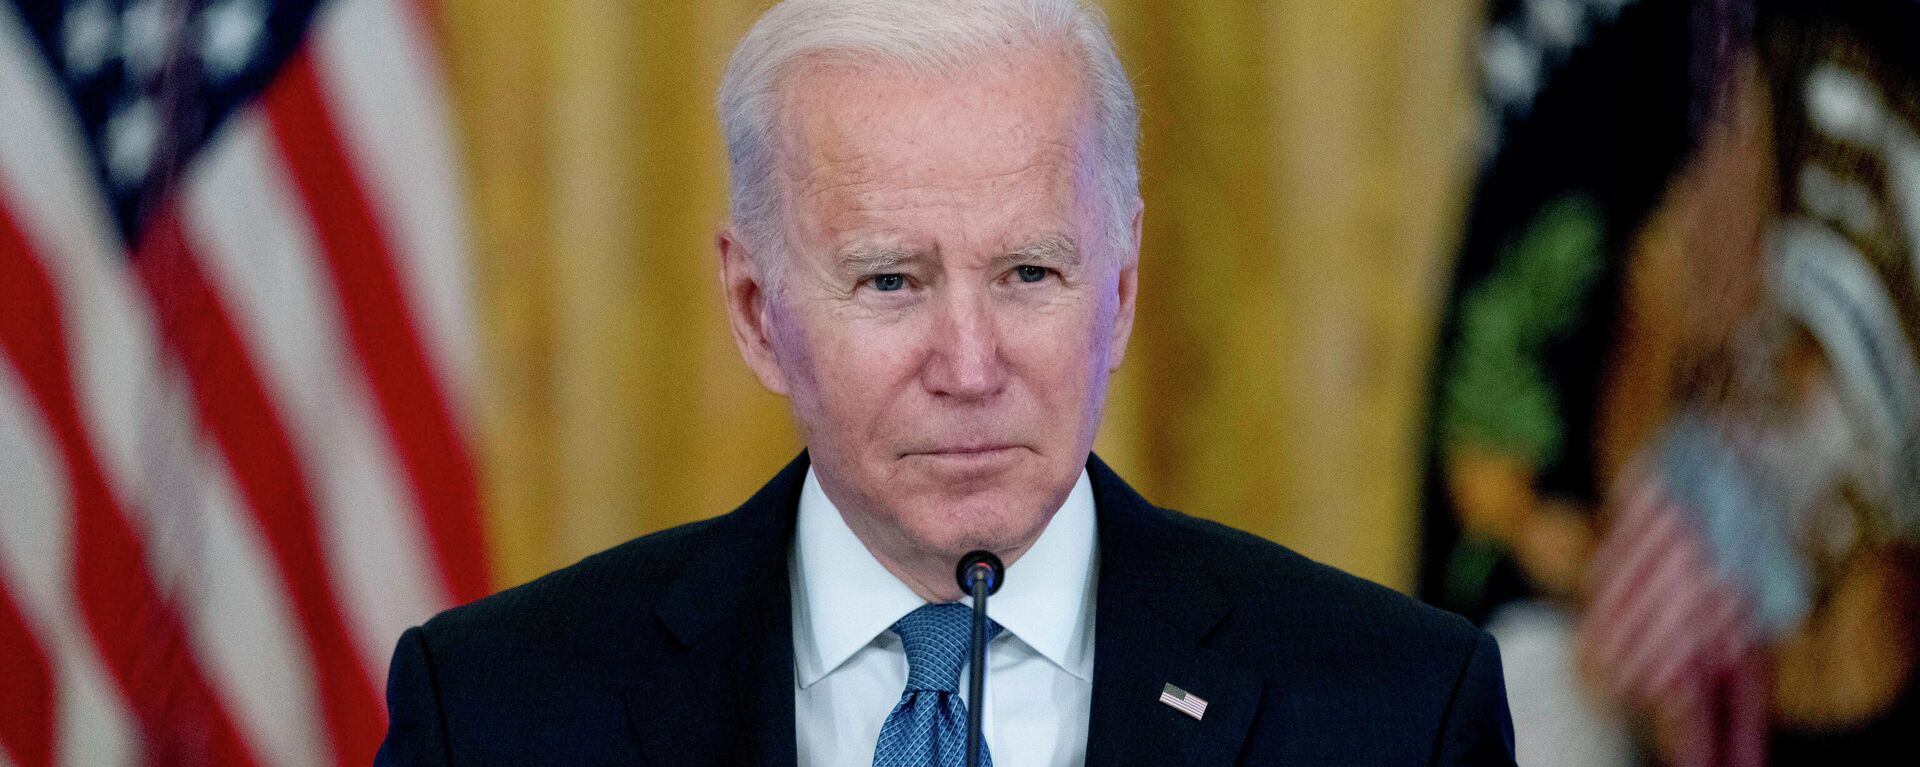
point(1054, 250)
point(867, 259)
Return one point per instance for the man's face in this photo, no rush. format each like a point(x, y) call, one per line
point(951, 307)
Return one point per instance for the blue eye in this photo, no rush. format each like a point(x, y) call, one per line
point(1030, 273)
point(888, 283)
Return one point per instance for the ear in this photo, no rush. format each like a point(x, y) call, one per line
point(1128, 287)
point(748, 310)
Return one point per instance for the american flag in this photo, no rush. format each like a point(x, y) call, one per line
point(1669, 631)
point(236, 359)
point(1185, 702)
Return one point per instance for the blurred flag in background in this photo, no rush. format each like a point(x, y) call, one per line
point(1674, 464)
point(235, 362)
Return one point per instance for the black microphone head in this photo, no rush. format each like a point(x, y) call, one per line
point(978, 563)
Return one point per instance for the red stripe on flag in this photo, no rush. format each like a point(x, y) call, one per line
point(1620, 563)
point(26, 711)
point(140, 636)
point(1667, 631)
point(1683, 606)
point(233, 405)
point(1659, 555)
point(411, 398)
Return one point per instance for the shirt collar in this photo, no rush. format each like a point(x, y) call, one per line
point(843, 598)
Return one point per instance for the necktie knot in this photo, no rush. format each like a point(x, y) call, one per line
point(928, 727)
point(936, 638)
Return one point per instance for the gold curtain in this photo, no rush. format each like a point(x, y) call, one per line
point(1304, 163)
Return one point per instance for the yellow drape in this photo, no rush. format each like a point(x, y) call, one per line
point(1304, 168)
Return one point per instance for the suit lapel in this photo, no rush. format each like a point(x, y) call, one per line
point(1155, 606)
point(723, 694)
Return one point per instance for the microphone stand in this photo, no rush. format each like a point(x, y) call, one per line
point(980, 574)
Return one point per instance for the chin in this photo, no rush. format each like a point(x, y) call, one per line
point(994, 521)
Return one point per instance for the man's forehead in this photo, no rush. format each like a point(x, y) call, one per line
point(1047, 67)
point(1000, 116)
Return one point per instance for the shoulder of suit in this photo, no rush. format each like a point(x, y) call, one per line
point(625, 580)
point(1271, 585)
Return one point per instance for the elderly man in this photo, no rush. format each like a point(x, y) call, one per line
point(932, 255)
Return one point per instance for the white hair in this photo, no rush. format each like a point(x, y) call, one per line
point(941, 37)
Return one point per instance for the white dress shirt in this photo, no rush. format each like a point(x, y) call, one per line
point(850, 668)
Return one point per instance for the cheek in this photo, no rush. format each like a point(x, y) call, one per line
point(1059, 355)
point(858, 369)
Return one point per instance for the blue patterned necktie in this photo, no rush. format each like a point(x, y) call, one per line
point(928, 728)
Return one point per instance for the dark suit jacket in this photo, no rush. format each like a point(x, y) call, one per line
point(676, 649)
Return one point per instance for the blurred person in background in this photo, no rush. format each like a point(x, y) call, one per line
point(1674, 448)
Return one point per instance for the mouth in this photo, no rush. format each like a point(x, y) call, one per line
point(968, 460)
point(969, 449)
point(983, 450)
point(955, 466)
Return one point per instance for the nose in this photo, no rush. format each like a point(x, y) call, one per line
point(965, 363)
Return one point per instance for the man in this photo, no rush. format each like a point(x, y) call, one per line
point(932, 253)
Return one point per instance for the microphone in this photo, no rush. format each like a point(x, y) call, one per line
point(980, 574)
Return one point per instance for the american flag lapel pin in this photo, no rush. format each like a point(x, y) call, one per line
point(1185, 702)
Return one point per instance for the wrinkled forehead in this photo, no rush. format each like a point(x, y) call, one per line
point(867, 129)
